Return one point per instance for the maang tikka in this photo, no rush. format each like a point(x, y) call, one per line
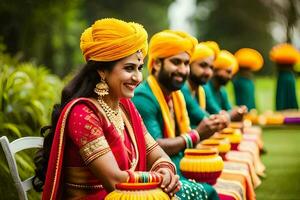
point(101, 88)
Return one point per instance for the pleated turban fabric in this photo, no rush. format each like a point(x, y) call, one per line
point(201, 52)
point(168, 43)
point(213, 45)
point(284, 54)
point(249, 58)
point(111, 39)
point(226, 60)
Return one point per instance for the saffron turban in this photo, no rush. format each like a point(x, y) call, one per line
point(226, 60)
point(249, 58)
point(214, 46)
point(201, 52)
point(284, 54)
point(168, 43)
point(112, 39)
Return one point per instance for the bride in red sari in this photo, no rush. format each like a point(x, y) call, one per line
point(97, 138)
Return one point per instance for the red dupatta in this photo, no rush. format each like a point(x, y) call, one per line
point(53, 186)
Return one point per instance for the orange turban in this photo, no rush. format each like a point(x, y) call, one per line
point(202, 51)
point(169, 42)
point(249, 58)
point(214, 46)
point(226, 60)
point(284, 54)
point(112, 39)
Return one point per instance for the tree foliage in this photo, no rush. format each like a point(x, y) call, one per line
point(236, 24)
point(46, 31)
point(152, 14)
point(287, 14)
point(49, 31)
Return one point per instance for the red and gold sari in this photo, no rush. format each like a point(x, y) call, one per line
point(83, 134)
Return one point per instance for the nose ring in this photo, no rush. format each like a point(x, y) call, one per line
point(134, 77)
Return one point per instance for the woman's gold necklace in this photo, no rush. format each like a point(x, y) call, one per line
point(114, 116)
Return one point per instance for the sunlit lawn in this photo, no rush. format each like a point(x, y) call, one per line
point(283, 164)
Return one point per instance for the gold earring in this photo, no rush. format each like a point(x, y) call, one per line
point(101, 88)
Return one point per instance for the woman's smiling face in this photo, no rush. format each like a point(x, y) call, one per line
point(125, 76)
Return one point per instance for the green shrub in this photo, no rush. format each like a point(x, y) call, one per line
point(28, 93)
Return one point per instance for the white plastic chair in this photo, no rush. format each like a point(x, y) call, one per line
point(10, 149)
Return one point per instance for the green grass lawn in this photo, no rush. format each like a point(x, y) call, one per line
point(283, 164)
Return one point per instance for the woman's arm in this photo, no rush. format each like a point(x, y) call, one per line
point(106, 169)
point(159, 161)
point(85, 130)
point(172, 146)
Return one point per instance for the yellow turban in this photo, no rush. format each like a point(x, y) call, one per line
point(214, 46)
point(112, 39)
point(201, 52)
point(284, 54)
point(169, 42)
point(226, 60)
point(249, 58)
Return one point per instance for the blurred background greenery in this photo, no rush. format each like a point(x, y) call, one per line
point(48, 32)
point(39, 49)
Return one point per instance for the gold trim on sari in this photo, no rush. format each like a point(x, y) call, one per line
point(94, 149)
point(79, 182)
point(133, 139)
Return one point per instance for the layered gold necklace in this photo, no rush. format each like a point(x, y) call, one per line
point(114, 116)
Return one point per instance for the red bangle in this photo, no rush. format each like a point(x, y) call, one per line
point(194, 136)
point(164, 164)
point(155, 177)
point(131, 178)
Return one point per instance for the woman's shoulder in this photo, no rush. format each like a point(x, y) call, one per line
point(82, 106)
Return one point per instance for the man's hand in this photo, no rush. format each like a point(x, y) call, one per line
point(208, 126)
point(238, 113)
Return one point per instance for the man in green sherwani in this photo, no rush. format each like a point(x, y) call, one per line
point(249, 60)
point(244, 88)
point(285, 56)
point(201, 70)
point(216, 96)
point(163, 107)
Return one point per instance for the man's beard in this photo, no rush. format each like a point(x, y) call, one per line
point(169, 82)
point(221, 80)
point(202, 80)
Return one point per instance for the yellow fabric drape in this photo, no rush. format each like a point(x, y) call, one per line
point(226, 60)
point(179, 108)
point(168, 43)
point(285, 54)
point(111, 39)
point(213, 45)
point(202, 52)
point(201, 97)
point(249, 58)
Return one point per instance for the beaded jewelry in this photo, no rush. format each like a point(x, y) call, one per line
point(114, 116)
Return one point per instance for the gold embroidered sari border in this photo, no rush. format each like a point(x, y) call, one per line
point(94, 149)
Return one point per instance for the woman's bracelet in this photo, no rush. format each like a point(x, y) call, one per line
point(163, 163)
point(142, 177)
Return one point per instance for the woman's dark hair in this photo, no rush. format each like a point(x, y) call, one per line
point(82, 85)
